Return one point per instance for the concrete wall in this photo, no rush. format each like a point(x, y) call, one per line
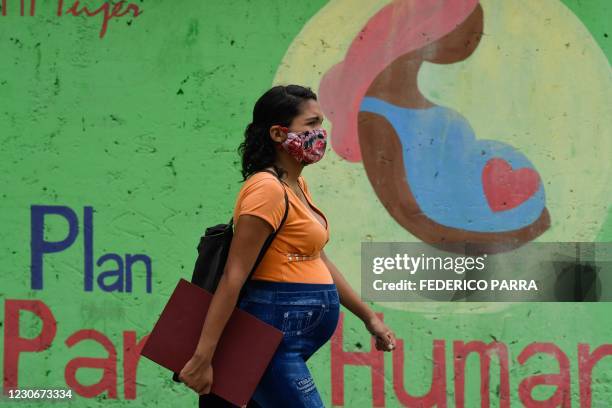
point(119, 138)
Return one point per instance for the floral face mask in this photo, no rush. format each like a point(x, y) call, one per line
point(307, 146)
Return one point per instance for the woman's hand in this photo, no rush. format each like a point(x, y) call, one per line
point(385, 338)
point(197, 374)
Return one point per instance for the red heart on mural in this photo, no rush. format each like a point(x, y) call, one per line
point(506, 188)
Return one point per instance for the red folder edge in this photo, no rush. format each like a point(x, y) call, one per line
point(243, 353)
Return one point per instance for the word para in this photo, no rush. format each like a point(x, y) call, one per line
point(15, 345)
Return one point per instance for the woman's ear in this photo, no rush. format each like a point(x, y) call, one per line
point(277, 134)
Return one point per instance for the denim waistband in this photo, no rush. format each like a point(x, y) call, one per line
point(290, 293)
point(289, 286)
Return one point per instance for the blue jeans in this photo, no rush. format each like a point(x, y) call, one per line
point(307, 314)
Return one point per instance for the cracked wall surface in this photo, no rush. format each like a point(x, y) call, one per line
point(118, 141)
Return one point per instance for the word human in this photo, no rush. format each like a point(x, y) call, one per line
point(453, 374)
point(107, 9)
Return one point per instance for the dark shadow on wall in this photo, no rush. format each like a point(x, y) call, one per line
point(577, 282)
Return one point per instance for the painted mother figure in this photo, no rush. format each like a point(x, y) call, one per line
point(424, 162)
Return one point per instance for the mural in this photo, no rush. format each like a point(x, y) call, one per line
point(449, 120)
point(423, 160)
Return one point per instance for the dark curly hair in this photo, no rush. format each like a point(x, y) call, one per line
point(278, 106)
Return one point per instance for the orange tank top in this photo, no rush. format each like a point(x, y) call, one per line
point(294, 254)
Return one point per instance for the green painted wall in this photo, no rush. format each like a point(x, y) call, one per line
point(142, 125)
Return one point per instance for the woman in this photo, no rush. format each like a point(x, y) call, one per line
point(296, 287)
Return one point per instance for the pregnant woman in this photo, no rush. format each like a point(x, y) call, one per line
point(296, 287)
point(423, 160)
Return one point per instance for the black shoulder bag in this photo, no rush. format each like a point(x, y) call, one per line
point(212, 256)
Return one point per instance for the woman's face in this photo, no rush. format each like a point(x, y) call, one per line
point(459, 43)
point(307, 148)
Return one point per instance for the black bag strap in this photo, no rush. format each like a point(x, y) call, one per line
point(266, 244)
point(270, 238)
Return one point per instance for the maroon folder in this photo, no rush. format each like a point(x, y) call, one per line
point(242, 354)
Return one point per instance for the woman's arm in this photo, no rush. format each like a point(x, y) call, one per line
point(249, 237)
point(348, 297)
point(385, 338)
